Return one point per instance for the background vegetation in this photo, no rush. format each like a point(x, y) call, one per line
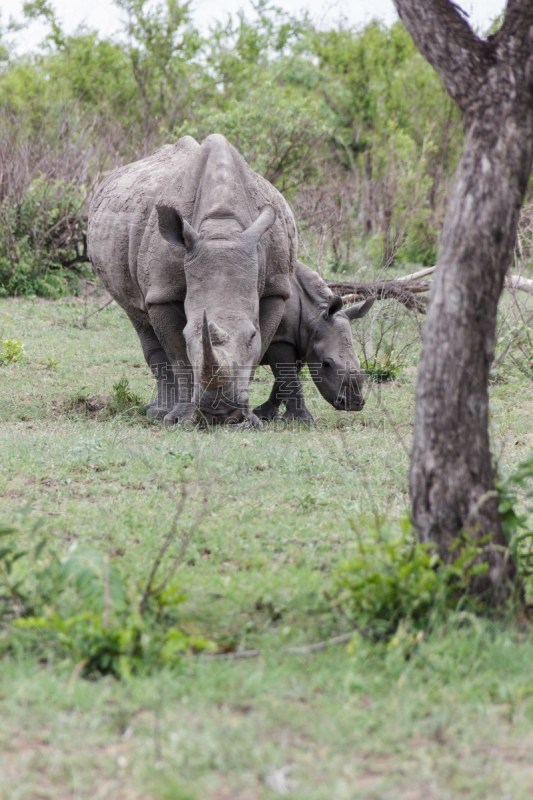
point(351, 125)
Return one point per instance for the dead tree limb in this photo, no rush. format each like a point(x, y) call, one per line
point(511, 281)
point(407, 288)
point(404, 292)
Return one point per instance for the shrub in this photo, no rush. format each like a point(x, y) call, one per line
point(382, 368)
point(86, 607)
point(42, 239)
point(395, 582)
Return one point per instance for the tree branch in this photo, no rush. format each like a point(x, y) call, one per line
point(405, 292)
point(517, 21)
point(443, 35)
point(407, 288)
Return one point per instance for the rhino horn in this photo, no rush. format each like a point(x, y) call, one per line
point(217, 334)
point(210, 363)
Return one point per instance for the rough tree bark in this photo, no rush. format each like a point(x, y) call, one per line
point(452, 475)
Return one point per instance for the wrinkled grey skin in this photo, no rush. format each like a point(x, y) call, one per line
point(315, 329)
point(198, 250)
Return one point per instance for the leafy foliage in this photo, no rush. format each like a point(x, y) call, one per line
point(11, 350)
point(383, 368)
point(516, 510)
point(86, 608)
point(395, 582)
point(124, 400)
point(40, 238)
point(351, 124)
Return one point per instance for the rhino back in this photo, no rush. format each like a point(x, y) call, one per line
point(119, 215)
point(136, 264)
point(219, 183)
point(309, 295)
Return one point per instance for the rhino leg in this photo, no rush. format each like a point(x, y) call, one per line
point(270, 314)
point(268, 410)
point(168, 321)
point(295, 408)
point(157, 360)
point(287, 388)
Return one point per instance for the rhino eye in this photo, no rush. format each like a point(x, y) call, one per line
point(327, 363)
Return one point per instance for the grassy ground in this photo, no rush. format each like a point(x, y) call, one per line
point(282, 512)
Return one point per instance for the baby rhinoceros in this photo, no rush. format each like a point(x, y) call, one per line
point(314, 330)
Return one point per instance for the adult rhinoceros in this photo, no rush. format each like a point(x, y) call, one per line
point(198, 250)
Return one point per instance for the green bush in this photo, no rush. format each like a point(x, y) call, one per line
point(516, 510)
point(382, 368)
point(86, 607)
point(42, 239)
point(396, 582)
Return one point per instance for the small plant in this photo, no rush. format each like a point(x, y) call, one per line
point(88, 608)
point(383, 368)
point(123, 399)
point(51, 364)
point(399, 582)
point(516, 522)
point(11, 350)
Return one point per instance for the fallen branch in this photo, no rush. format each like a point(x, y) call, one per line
point(317, 647)
point(406, 289)
point(301, 650)
point(414, 276)
point(404, 292)
point(511, 281)
point(520, 283)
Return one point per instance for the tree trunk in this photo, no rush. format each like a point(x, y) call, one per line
point(452, 475)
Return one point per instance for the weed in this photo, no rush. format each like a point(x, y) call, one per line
point(11, 350)
point(383, 368)
point(51, 364)
point(395, 582)
point(123, 399)
point(87, 608)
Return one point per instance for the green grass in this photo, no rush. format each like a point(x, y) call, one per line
point(455, 720)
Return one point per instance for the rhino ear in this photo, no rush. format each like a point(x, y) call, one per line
point(174, 228)
point(360, 309)
point(334, 305)
point(264, 221)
